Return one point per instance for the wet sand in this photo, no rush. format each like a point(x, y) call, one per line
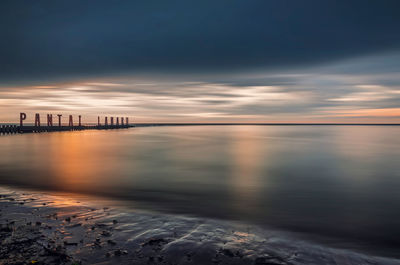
point(42, 228)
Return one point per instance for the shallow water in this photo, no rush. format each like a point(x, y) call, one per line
point(339, 184)
point(66, 228)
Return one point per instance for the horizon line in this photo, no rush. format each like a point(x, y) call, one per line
point(230, 123)
point(256, 123)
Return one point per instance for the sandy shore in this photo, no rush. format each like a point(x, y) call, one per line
point(41, 228)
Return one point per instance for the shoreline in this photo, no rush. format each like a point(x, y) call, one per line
point(45, 228)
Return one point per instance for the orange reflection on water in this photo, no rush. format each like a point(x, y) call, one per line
point(247, 156)
point(80, 161)
point(59, 200)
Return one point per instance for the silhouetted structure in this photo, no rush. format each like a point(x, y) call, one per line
point(37, 128)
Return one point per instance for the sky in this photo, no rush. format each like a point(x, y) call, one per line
point(202, 61)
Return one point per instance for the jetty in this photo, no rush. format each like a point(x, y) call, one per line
point(109, 124)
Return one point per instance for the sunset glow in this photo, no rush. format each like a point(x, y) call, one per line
point(200, 132)
point(307, 95)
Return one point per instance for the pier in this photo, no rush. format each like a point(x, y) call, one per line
point(14, 129)
point(120, 123)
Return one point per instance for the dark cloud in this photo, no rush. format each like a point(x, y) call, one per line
point(42, 40)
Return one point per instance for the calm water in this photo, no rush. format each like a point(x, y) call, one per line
point(337, 183)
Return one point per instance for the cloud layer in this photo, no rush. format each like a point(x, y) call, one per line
point(357, 90)
point(198, 61)
point(47, 39)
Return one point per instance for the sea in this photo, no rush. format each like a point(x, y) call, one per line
point(335, 185)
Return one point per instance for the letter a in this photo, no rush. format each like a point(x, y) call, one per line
point(37, 119)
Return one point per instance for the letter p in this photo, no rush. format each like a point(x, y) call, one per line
point(22, 117)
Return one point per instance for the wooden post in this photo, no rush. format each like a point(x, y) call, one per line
point(59, 120)
point(106, 121)
point(127, 121)
point(80, 119)
point(117, 123)
point(112, 121)
point(98, 121)
point(49, 119)
point(122, 121)
point(71, 121)
point(37, 120)
point(22, 117)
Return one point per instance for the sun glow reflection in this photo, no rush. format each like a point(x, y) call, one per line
point(246, 169)
point(79, 164)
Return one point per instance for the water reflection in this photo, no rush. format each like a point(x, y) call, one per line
point(248, 159)
point(337, 181)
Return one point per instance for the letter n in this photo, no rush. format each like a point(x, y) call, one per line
point(49, 119)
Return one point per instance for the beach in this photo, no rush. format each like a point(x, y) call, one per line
point(56, 228)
